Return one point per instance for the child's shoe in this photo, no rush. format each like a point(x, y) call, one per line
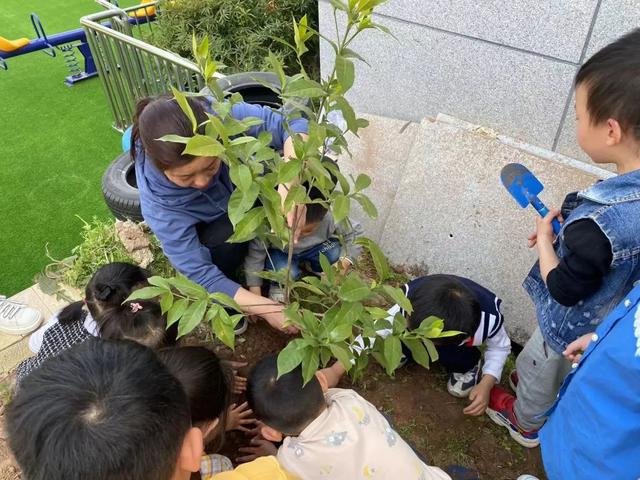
point(500, 410)
point(460, 384)
point(16, 318)
point(276, 294)
point(513, 380)
point(527, 477)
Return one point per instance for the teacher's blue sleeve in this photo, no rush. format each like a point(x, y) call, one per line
point(181, 245)
point(274, 122)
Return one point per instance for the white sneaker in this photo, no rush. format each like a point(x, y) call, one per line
point(16, 318)
point(276, 294)
point(460, 384)
point(527, 477)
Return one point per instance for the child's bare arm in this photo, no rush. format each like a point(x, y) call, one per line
point(333, 374)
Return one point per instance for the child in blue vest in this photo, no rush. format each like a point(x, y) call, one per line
point(593, 263)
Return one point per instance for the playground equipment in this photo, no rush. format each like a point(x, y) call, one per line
point(130, 68)
point(67, 42)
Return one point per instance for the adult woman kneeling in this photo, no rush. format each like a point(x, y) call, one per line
point(184, 199)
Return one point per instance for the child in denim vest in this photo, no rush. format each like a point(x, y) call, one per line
point(595, 260)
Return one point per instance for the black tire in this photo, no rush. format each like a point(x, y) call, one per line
point(120, 190)
point(119, 181)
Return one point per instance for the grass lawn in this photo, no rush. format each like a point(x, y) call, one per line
point(56, 143)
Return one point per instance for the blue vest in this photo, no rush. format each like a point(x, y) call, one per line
point(593, 430)
point(614, 205)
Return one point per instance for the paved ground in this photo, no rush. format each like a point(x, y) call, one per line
point(14, 349)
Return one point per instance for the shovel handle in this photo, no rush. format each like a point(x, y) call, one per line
point(544, 211)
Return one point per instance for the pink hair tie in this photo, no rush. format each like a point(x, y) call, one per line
point(135, 307)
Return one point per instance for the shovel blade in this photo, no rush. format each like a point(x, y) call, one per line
point(520, 183)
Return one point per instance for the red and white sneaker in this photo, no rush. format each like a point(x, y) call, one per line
point(500, 410)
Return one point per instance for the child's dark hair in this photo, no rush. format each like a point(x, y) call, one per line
point(158, 116)
point(283, 403)
point(207, 384)
point(139, 320)
point(612, 78)
point(317, 211)
point(101, 410)
point(447, 298)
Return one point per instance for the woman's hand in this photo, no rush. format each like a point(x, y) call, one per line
point(296, 217)
point(277, 321)
point(260, 306)
point(238, 416)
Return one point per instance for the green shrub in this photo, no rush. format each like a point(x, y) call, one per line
point(100, 245)
point(241, 32)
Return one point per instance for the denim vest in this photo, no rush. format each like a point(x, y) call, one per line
point(614, 205)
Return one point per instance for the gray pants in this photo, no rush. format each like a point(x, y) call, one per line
point(540, 375)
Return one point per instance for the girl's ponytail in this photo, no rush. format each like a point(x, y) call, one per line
point(71, 313)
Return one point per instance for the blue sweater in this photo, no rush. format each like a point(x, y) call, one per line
point(173, 212)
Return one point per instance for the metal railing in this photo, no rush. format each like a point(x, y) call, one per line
point(130, 68)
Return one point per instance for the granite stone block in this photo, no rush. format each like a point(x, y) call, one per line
point(452, 214)
point(548, 27)
point(422, 72)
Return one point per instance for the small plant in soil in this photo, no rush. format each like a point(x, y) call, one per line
point(333, 309)
point(99, 246)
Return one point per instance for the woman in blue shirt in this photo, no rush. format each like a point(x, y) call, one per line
point(184, 198)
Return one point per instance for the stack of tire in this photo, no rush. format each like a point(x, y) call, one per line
point(119, 186)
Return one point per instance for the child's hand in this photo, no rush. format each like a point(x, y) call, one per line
point(479, 396)
point(256, 431)
point(259, 447)
point(544, 229)
point(238, 416)
point(574, 350)
point(345, 265)
point(239, 383)
point(532, 239)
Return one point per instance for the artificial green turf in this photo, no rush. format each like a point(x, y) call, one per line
point(55, 143)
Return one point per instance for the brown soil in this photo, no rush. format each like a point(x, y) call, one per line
point(415, 400)
point(422, 412)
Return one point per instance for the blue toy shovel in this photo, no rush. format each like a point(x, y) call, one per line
point(525, 187)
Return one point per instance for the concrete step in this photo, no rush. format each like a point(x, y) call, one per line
point(450, 211)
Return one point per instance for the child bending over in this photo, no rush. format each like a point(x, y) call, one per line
point(103, 410)
point(103, 314)
point(209, 387)
point(319, 235)
point(329, 432)
point(466, 307)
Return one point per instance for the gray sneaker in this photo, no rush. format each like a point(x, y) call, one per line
point(461, 384)
point(16, 318)
point(276, 294)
